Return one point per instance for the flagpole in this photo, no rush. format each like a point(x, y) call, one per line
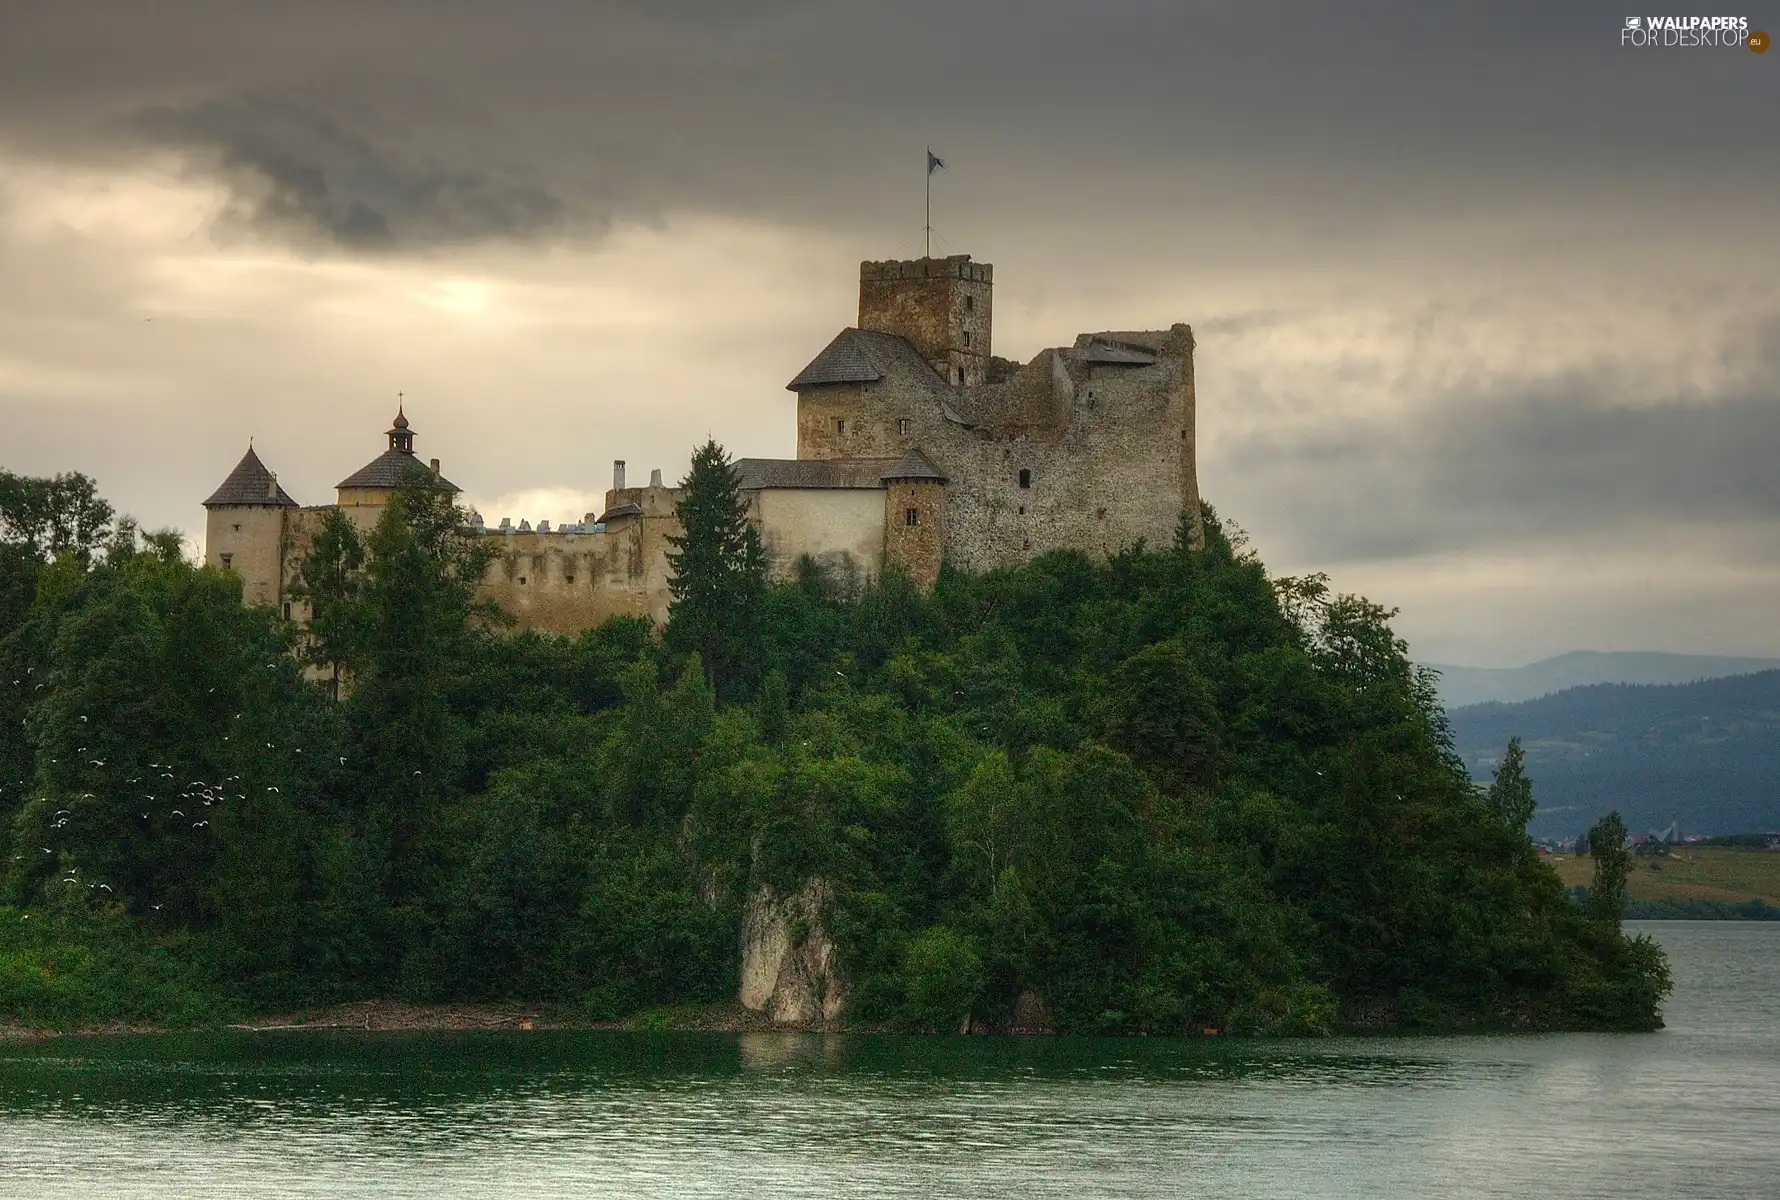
point(927, 229)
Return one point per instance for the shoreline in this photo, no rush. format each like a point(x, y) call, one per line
point(402, 1016)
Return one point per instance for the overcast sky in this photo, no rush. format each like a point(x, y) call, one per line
point(1487, 304)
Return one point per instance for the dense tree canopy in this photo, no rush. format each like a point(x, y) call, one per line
point(1158, 793)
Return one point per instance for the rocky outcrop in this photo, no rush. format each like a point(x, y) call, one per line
point(789, 963)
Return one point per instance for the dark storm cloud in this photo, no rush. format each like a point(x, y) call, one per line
point(295, 171)
point(1523, 464)
point(1353, 115)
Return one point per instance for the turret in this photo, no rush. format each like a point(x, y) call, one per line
point(244, 529)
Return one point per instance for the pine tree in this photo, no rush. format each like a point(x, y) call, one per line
point(1512, 792)
point(332, 582)
point(719, 574)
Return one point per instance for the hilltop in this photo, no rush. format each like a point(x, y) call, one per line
point(1463, 686)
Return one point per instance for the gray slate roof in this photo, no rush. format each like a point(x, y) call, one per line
point(756, 473)
point(389, 470)
point(250, 484)
point(859, 356)
point(915, 465)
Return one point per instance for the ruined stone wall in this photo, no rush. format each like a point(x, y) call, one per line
point(1108, 451)
point(552, 582)
point(914, 528)
point(943, 307)
point(566, 582)
point(1116, 466)
point(842, 529)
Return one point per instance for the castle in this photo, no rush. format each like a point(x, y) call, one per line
point(916, 445)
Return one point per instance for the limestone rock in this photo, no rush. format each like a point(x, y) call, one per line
point(789, 963)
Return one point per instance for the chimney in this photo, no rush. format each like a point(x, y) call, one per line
point(435, 465)
point(655, 478)
point(618, 474)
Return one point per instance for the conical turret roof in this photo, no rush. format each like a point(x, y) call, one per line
point(250, 484)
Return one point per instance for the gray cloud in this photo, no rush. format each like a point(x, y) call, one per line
point(1529, 462)
point(297, 171)
point(1368, 211)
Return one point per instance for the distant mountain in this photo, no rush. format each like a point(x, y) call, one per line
point(1460, 686)
point(1705, 754)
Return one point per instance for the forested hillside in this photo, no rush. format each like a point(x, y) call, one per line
point(1705, 754)
point(1161, 793)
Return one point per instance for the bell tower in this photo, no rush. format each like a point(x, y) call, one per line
point(940, 306)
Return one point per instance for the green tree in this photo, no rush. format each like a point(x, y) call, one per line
point(331, 580)
point(1512, 792)
point(1613, 865)
point(943, 977)
point(50, 517)
point(719, 574)
point(423, 626)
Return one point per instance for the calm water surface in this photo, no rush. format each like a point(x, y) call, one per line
point(1691, 1111)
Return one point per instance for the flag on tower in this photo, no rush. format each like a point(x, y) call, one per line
point(934, 162)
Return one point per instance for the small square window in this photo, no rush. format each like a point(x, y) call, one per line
point(522, 581)
point(568, 579)
point(236, 528)
point(903, 425)
point(911, 516)
point(1025, 478)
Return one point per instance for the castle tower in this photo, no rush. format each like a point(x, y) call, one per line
point(363, 494)
point(244, 529)
point(914, 517)
point(941, 306)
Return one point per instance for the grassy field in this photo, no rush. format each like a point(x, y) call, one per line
point(1727, 874)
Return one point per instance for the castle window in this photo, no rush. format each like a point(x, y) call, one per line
point(287, 610)
point(911, 517)
point(840, 426)
point(1022, 510)
point(960, 374)
point(903, 425)
point(970, 304)
point(226, 560)
point(568, 579)
point(1025, 478)
point(522, 581)
point(1100, 514)
point(967, 338)
point(236, 528)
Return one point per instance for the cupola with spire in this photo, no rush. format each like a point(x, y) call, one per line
point(370, 486)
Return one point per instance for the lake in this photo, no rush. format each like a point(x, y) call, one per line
point(1693, 1110)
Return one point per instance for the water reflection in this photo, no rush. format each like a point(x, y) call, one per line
point(551, 1113)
